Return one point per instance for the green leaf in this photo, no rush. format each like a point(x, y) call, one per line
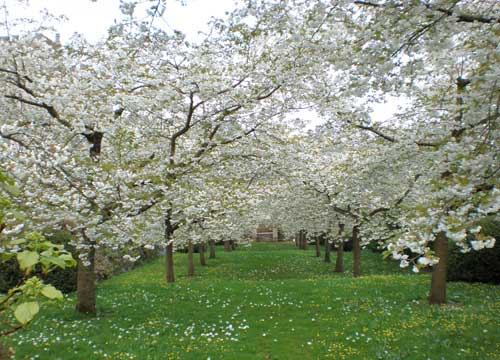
point(27, 259)
point(25, 312)
point(53, 261)
point(17, 242)
point(51, 292)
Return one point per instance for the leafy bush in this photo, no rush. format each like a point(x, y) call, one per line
point(107, 264)
point(375, 247)
point(10, 275)
point(62, 279)
point(480, 266)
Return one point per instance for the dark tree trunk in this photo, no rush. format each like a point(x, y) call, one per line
point(227, 246)
point(318, 247)
point(438, 282)
point(169, 255)
point(169, 263)
point(303, 240)
point(202, 254)
point(339, 262)
point(328, 250)
point(356, 251)
point(233, 245)
point(85, 282)
point(212, 249)
point(190, 259)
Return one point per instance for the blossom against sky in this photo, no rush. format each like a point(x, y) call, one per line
point(93, 18)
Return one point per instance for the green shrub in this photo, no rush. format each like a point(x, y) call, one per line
point(477, 266)
point(10, 275)
point(62, 279)
point(108, 263)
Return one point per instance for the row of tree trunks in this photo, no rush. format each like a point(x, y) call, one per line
point(437, 294)
point(438, 281)
point(301, 240)
point(201, 250)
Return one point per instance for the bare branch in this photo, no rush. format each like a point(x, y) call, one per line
point(12, 138)
point(268, 94)
point(49, 108)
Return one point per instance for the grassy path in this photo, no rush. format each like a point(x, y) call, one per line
point(270, 301)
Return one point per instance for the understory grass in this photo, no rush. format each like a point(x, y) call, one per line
point(270, 301)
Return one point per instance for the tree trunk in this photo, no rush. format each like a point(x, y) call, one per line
point(318, 247)
point(212, 249)
point(190, 259)
point(169, 263)
point(303, 240)
point(328, 250)
point(85, 282)
point(233, 245)
point(85, 285)
point(339, 262)
point(438, 282)
point(169, 255)
point(227, 246)
point(356, 251)
point(202, 254)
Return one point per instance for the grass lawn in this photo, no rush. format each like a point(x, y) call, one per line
point(270, 301)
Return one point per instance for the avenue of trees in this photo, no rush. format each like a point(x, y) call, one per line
point(147, 140)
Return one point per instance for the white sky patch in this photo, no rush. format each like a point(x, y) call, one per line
point(384, 112)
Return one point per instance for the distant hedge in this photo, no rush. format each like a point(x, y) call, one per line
point(477, 266)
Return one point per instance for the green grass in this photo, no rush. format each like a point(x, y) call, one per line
point(270, 301)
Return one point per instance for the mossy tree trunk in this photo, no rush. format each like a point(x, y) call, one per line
point(85, 280)
point(438, 282)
